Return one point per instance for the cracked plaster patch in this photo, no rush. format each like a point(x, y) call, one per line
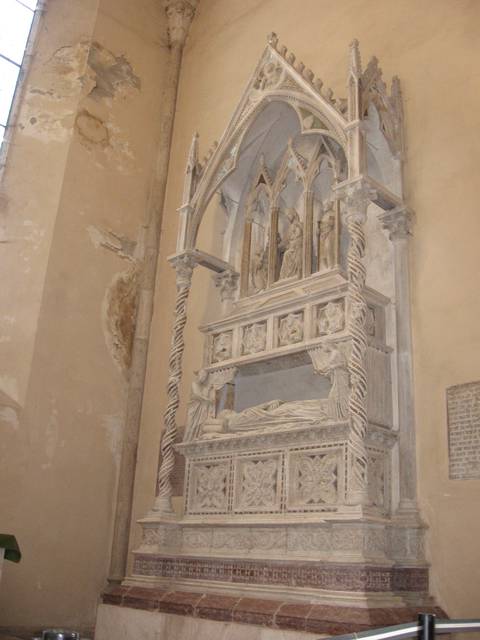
point(119, 316)
point(92, 130)
point(121, 245)
point(71, 73)
point(113, 75)
point(104, 140)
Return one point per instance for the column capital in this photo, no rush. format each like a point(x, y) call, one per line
point(183, 264)
point(398, 222)
point(180, 14)
point(357, 195)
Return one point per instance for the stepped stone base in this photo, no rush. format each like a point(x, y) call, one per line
point(131, 612)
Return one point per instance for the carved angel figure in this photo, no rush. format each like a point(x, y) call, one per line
point(326, 237)
point(331, 361)
point(290, 329)
point(201, 404)
point(259, 268)
point(201, 407)
point(293, 246)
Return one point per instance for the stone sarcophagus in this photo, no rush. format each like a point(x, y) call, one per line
point(299, 438)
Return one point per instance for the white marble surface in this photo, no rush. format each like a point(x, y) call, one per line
point(123, 623)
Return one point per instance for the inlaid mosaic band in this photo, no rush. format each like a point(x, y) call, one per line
point(318, 575)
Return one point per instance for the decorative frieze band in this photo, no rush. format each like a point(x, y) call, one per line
point(322, 576)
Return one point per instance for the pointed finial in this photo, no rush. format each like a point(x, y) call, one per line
point(308, 75)
point(192, 170)
point(355, 60)
point(396, 89)
point(272, 39)
point(300, 67)
point(193, 152)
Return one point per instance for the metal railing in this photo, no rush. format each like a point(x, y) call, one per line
point(425, 628)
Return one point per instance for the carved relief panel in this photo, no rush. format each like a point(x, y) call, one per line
point(222, 345)
point(331, 317)
point(258, 484)
point(254, 338)
point(290, 329)
point(315, 479)
point(209, 486)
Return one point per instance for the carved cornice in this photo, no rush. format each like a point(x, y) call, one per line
point(180, 14)
point(398, 222)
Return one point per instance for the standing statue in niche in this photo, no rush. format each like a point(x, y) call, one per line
point(259, 269)
point(293, 246)
point(327, 237)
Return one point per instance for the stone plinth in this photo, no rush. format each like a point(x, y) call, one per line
point(128, 613)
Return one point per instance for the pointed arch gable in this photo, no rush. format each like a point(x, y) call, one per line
point(275, 79)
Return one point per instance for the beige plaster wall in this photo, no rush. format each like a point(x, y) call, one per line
point(433, 47)
point(76, 182)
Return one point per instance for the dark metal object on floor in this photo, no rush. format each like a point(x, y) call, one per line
point(60, 634)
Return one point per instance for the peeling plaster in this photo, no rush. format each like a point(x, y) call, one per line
point(92, 130)
point(119, 308)
point(75, 72)
point(48, 114)
point(104, 139)
point(113, 75)
point(67, 68)
point(119, 315)
point(122, 246)
point(49, 126)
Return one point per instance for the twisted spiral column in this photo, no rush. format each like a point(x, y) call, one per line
point(163, 503)
point(357, 200)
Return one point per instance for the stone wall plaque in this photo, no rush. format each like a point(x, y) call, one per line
point(463, 415)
